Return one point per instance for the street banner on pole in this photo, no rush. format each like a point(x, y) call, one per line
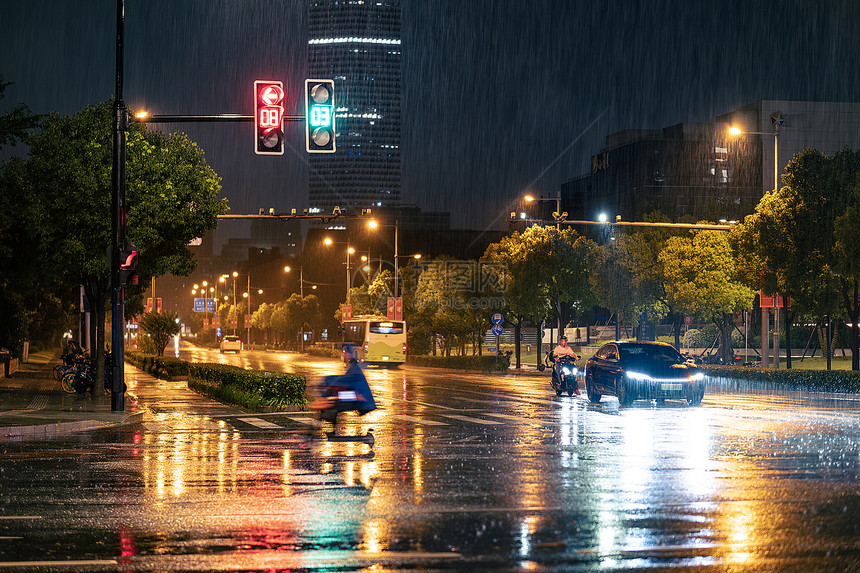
point(398, 308)
point(391, 306)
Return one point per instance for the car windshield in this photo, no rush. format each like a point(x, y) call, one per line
point(650, 352)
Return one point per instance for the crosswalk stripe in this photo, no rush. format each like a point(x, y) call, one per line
point(303, 420)
point(418, 420)
point(257, 422)
point(473, 420)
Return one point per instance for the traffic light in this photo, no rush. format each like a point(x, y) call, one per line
point(269, 131)
point(319, 123)
point(127, 264)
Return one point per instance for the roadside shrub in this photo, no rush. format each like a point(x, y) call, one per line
point(327, 350)
point(490, 363)
point(249, 388)
point(165, 367)
point(841, 381)
point(693, 338)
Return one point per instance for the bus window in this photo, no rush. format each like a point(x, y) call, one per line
point(386, 327)
point(354, 333)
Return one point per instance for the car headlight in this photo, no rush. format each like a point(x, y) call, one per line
point(638, 376)
point(696, 377)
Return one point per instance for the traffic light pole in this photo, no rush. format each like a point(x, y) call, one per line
point(120, 126)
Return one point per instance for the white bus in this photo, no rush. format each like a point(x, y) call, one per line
point(379, 340)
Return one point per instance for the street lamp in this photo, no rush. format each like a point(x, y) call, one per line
point(557, 214)
point(349, 251)
point(247, 295)
point(777, 121)
point(372, 224)
point(302, 276)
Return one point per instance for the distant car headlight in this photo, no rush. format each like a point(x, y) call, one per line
point(696, 377)
point(638, 376)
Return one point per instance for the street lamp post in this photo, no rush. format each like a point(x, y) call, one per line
point(777, 121)
point(349, 251)
point(301, 279)
point(373, 225)
point(559, 216)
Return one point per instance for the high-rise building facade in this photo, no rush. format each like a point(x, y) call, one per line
point(357, 43)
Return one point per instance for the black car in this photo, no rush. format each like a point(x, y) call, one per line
point(642, 371)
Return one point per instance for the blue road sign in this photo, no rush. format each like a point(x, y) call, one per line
point(498, 318)
point(210, 305)
point(497, 329)
point(199, 304)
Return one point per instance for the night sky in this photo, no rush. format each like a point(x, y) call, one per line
point(500, 97)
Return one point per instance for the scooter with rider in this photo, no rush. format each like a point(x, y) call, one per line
point(347, 392)
point(564, 370)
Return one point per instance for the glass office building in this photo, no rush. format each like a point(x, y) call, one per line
point(357, 43)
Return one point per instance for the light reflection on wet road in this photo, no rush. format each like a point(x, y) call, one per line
point(469, 471)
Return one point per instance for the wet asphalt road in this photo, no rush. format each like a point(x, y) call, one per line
point(469, 472)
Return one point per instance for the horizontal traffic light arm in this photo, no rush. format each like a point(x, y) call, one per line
point(698, 226)
point(225, 117)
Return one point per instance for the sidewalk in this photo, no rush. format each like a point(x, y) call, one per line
point(34, 407)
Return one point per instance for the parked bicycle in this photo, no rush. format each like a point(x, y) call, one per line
point(77, 373)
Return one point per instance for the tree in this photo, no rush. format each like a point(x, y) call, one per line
point(545, 268)
point(802, 239)
point(372, 298)
point(700, 278)
point(171, 198)
point(22, 310)
point(15, 123)
point(440, 303)
point(262, 319)
point(160, 326)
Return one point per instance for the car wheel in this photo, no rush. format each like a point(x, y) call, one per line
point(593, 394)
point(625, 397)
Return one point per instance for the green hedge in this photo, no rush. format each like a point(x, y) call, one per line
point(846, 381)
point(490, 363)
point(249, 388)
point(328, 351)
point(165, 367)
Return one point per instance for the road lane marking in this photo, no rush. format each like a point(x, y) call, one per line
point(257, 422)
point(63, 564)
point(473, 420)
point(530, 421)
point(418, 420)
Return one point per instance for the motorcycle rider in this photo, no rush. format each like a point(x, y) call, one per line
point(344, 392)
point(563, 351)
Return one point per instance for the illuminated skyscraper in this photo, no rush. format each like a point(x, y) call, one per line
point(357, 43)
